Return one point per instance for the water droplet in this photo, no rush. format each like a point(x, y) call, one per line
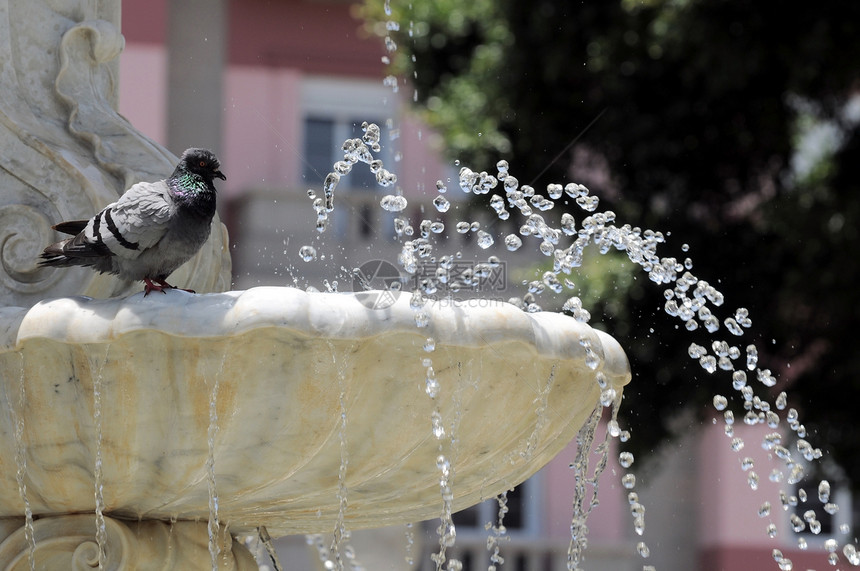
point(441, 203)
point(547, 248)
point(720, 402)
point(554, 190)
point(781, 401)
point(513, 242)
point(771, 531)
point(643, 549)
point(431, 384)
point(708, 363)
point(752, 357)
point(436, 422)
point(485, 240)
point(625, 459)
point(422, 319)
point(307, 253)
point(824, 491)
point(628, 481)
point(765, 377)
point(393, 203)
point(796, 523)
point(696, 351)
point(607, 397)
point(752, 480)
point(568, 224)
point(733, 327)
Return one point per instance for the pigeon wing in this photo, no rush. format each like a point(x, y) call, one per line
point(135, 222)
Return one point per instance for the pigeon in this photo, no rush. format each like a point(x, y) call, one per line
point(152, 229)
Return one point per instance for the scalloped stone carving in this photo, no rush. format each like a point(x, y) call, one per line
point(69, 543)
point(283, 359)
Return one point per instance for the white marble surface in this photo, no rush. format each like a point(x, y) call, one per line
point(65, 152)
point(283, 359)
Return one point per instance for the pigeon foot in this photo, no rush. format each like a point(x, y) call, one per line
point(159, 285)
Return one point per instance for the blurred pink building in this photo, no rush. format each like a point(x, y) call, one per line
point(274, 86)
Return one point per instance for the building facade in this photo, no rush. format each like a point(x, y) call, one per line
point(275, 86)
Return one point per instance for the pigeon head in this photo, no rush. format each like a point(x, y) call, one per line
point(201, 162)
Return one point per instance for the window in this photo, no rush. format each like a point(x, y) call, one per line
point(332, 110)
point(808, 503)
point(323, 139)
point(518, 548)
point(475, 517)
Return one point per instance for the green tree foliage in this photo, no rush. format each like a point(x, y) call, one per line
point(685, 117)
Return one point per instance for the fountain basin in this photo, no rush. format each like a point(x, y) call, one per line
point(283, 364)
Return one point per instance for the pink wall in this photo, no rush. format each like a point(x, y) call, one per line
point(421, 166)
point(610, 521)
point(144, 21)
point(317, 37)
point(729, 507)
point(262, 130)
point(143, 89)
point(733, 537)
point(272, 45)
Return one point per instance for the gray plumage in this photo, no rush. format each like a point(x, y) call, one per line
point(152, 229)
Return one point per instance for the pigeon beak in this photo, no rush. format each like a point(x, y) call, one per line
point(220, 175)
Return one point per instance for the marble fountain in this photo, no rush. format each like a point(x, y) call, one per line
point(133, 430)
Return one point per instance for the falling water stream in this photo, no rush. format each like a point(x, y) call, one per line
point(212, 432)
point(694, 301)
point(17, 413)
point(101, 529)
point(497, 533)
point(213, 524)
point(338, 553)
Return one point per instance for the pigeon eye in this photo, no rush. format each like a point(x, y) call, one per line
point(202, 163)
